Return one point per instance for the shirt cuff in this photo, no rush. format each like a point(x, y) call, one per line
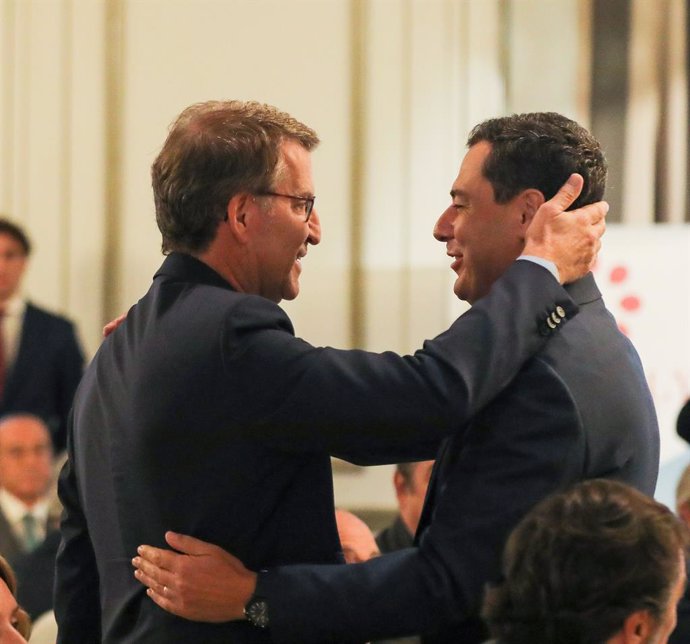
point(546, 263)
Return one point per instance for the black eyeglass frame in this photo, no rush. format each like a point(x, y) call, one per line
point(308, 201)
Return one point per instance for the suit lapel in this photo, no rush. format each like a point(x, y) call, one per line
point(10, 546)
point(432, 490)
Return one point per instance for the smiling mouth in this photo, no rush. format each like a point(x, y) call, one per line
point(457, 263)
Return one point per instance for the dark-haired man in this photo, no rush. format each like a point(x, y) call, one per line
point(41, 361)
point(411, 481)
point(579, 409)
point(600, 562)
point(203, 412)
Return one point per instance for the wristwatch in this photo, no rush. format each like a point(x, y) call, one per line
point(256, 611)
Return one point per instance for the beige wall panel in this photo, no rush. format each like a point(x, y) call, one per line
point(292, 54)
point(435, 149)
point(43, 167)
point(7, 65)
point(51, 116)
point(385, 174)
point(676, 147)
point(86, 128)
point(412, 152)
point(643, 111)
point(429, 288)
point(385, 300)
point(532, 85)
point(482, 40)
point(386, 133)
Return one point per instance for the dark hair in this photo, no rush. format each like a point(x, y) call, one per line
point(683, 422)
point(13, 230)
point(215, 150)
point(540, 150)
point(7, 575)
point(581, 562)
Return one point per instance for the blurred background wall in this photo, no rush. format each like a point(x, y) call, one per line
point(88, 88)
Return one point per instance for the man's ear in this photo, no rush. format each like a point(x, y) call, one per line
point(236, 214)
point(637, 628)
point(530, 201)
point(684, 512)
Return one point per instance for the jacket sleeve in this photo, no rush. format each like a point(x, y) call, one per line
point(76, 594)
point(531, 443)
point(374, 408)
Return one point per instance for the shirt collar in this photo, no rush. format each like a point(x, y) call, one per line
point(15, 306)
point(15, 510)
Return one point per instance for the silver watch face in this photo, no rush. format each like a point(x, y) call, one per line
point(257, 612)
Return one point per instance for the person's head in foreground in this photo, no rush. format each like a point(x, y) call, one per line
point(599, 564)
point(15, 624)
point(514, 164)
point(233, 187)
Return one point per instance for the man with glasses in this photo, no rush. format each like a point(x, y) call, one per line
point(203, 413)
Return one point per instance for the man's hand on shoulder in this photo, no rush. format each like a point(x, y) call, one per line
point(200, 581)
point(570, 239)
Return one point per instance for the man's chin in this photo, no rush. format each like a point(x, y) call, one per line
point(459, 290)
point(291, 293)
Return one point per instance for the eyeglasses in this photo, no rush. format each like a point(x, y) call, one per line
point(308, 201)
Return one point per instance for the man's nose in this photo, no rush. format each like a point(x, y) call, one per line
point(314, 228)
point(443, 229)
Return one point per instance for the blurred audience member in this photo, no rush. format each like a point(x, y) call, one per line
point(41, 361)
point(356, 538)
point(683, 422)
point(26, 473)
point(682, 633)
point(28, 529)
point(600, 563)
point(15, 625)
point(411, 481)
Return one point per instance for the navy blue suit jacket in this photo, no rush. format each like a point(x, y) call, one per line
point(204, 414)
point(46, 371)
point(580, 409)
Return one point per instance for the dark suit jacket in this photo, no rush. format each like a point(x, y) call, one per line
point(46, 371)
point(35, 573)
point(580, 409)
point(204, 414)
point(395, 537)
point(10, 546)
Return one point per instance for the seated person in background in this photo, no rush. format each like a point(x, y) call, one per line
point(15, 625)
point(29, 537)
point(411, 481)
point(601, 563)
point(682, 633)
point(41, 361)
point(356, 538)
point(683, 422)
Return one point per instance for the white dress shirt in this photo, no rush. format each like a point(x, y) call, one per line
point(15, 511)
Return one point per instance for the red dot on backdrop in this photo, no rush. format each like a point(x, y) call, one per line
point(630, 303)
point(618, 274)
